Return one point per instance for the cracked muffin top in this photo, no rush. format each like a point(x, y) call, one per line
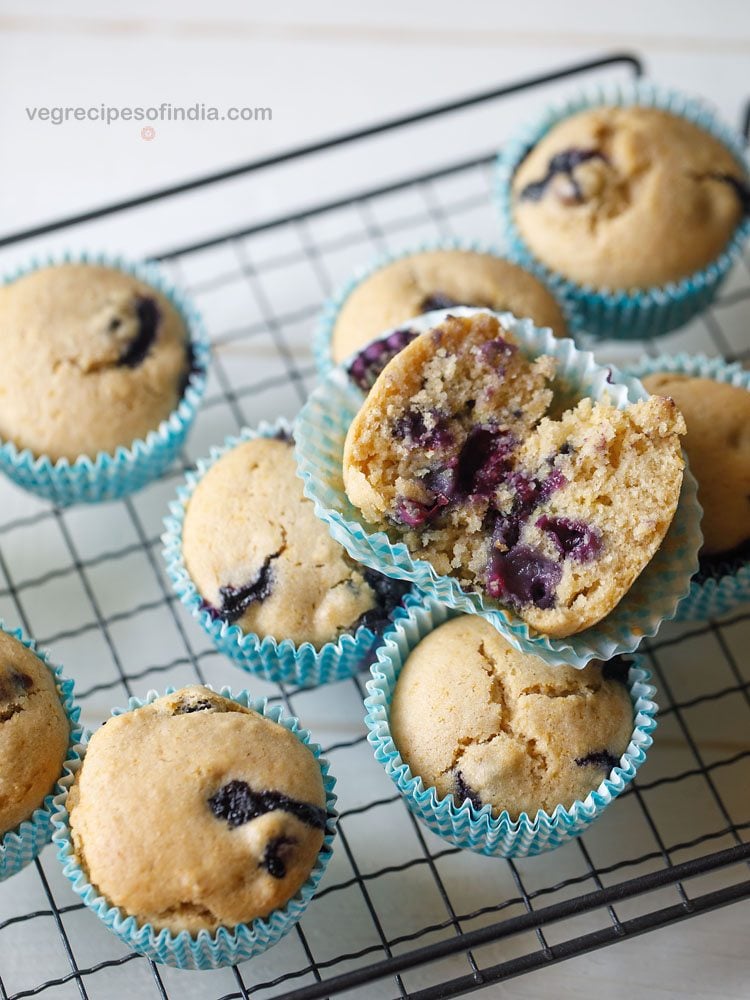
point(717, 416)
point(261, 559)
point(440, 279)
point(475, 718)
point(226, 828)
point(34, 732)
point(627, 198)
point(93, 359)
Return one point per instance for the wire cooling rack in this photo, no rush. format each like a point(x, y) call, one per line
point(400, 913)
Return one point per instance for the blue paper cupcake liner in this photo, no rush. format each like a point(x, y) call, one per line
point(623, 314)
point(714, 596)
point(323, 335)
point(227, 945)
point(94, 479)
point(320, 432)
point(18, 847)
point(463, 824)
point(282, 660)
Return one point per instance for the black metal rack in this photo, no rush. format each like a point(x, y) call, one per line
point(674, 846)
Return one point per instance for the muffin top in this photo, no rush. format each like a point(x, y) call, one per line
point(440, 279)
point(193, 812)
point(474, 717)
point(718, 447)
point(93, 359)
point(34, 732)
point(453, 451)
point(260, 558)
point(626, 198)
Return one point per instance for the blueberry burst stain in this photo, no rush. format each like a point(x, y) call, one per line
point(464, 791)
point(516, 573)
point(237, 803)
point(523, 576)
point(416, 514)
point(236, 600)
point(482, 463)
point(188, 707)
point(369, 363)
point(136, 351)
point(563, 163)
point(389, 594)
point(276, 856)
point(580, 541)
point(494, 351)
point(598, 758)
point(417, 429)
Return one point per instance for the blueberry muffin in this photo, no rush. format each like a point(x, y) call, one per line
point(34, 732)
point(194, 813)
point(261, 559)
point(718, 448)
point(552, 516)
point(477, 719)
point(628, 198)
point(93, 359)
point(439, 279)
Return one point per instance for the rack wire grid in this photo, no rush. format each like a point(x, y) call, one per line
point(400, 913)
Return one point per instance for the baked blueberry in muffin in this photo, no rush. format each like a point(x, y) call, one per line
point(195, 812)
point(371, 360)
point(628, 198)
point(261, 559)
point(438, 279)
point(477, 719)
point(562, 164)
point(452, 452)
point(34, 732)
point(94, 359)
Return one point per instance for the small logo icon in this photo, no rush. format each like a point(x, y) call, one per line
point(148, 132)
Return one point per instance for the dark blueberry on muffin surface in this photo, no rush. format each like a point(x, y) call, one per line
point(237, 803)
point(369, 363)
point(439, 300)
point(260, 559)
point(598, 758)
point(564, 163)
point(389, 594)
point(236, 600)
point(148, 316)
point(202, 705)
point(276, 855)
point(463, 791)
point(109, 355)
point(479, 720)
point(233, 824)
